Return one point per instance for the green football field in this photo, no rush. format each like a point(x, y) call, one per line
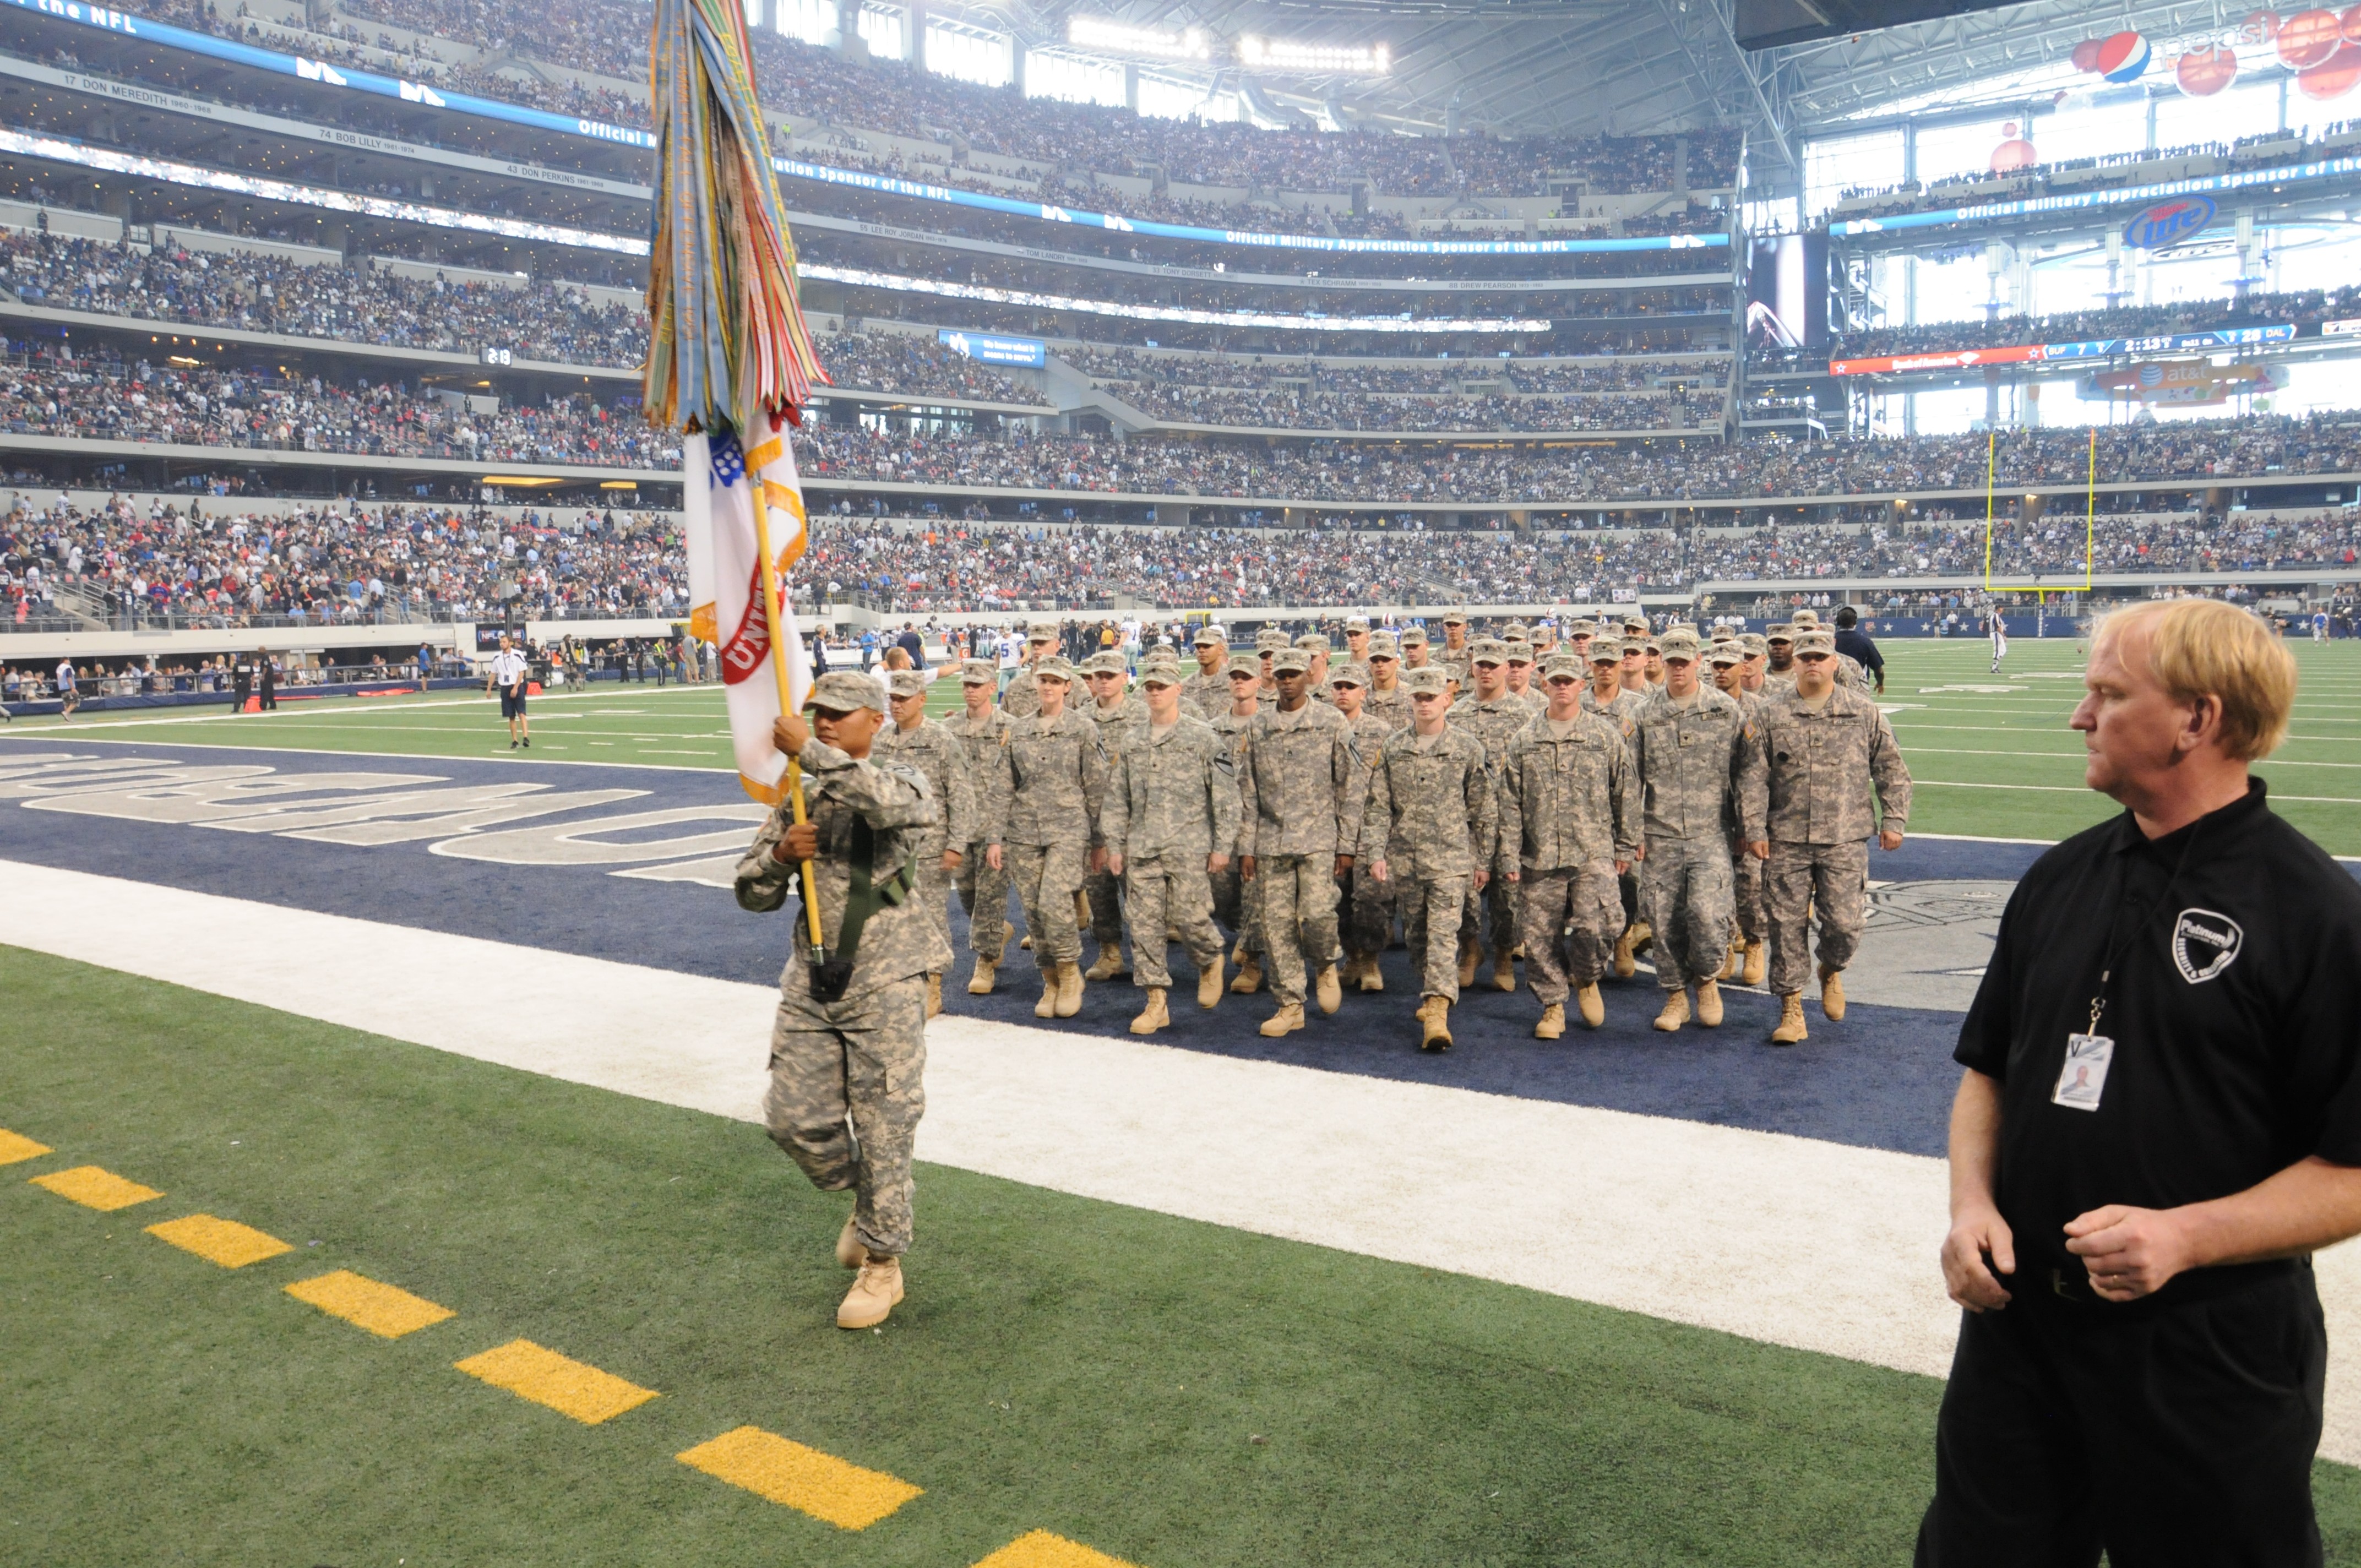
point(1170, 1394)
point(1991, 754)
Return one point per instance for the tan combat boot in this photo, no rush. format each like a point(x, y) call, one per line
point(1832, 993)
point(1082, 909)
point(1110, 965)
point(1153, 1016)
point(1675, 1012)
point(934, 994)
point(1025, 943)
point(873, 1295)
point(1594, 1009)
point(1008, 935)
point(1047, 1006)
point(849, 1252)
point(1434, 1016)
point(1708, 1006)
point(1470, 957)
point(1791, 1020)
point(1329, 990)
point(1209, 984)
point(1552, 1024)
point(1069, 990)
point(986, 975)
point(1756, 959)
point(1643, 936)
point(1737, 964)
point(1625, 967)
point(1285, 1020)
point(1370, 979)
point(1249, 979)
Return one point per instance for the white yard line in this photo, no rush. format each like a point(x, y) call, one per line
point(1792, 1241)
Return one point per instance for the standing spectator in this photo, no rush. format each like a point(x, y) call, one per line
point(241, 685)
point(266, 675)
point(68, 696)
point(1855, 644)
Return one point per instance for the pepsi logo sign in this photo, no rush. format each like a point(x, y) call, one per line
point(2168, 223)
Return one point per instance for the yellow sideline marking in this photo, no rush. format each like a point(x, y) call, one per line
point(224, 1242)
point(95, 1189)
point(818, 1484)
point(568, 1386)
point(1040, 1549)
point(16, 1147)
point(384, 1310)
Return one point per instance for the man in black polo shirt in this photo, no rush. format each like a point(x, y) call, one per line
point(2158, 1124)
point(1858, 646)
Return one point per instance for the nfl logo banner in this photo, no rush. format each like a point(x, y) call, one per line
point(722, 483)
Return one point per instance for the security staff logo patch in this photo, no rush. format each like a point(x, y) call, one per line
point(2204, 944)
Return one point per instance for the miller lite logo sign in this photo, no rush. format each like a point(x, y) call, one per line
point(2168, 223)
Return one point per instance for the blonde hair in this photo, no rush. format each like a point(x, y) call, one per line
point(2200, 648)
point(897, 658)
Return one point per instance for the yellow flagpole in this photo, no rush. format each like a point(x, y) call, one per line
point(787, 696)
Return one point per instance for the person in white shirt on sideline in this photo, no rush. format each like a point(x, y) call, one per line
point(509, 671)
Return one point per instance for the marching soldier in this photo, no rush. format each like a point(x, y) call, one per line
point(1315, 649)
point(1826, 745)
point(848, 1045)
point(1367, 903)
point(1171, 818)
point(1579, 638)
point(937, 753)
point(1415, 654)
point(1698, 758)
point(1757, 652)
point(1848, 673)
point(1779, 673)
point(1356, 639)
point(1208, 691)
point(1119, 717)
point(1610, 697)
point(1022, 698)
point(1234, 896)
point(1299, 781)
point(1521, 677)
point(1569, 828)
point(982, 883)
point(1046, 791)
point(1431, 828)
point(1494, 717)
point(1634, 668)
point(1452, 654)
point(1746, 948)
point(1386, 702)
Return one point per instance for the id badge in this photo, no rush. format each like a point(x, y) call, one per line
point(2084, 1077)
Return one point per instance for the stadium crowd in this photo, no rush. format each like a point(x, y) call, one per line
point(2306, 308)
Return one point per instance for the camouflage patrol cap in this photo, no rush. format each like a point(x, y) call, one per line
point(1351, 673)
point(979, 672)
point(1042, 634)
point(1815, 639)
point(1488, 651)
point(1357, 623)
point(1565, 665)
point(1414, 637)
point(1312, 642)
point(1605, 650)
point(1516, 631)
point(906, 683)
point(1678, 643)
point(1053, 668)
point(1106, 664)
point(1583, 628)
point(1520, 652)
point(1212, 636)
point(842, 691)
point(1282, 660)
point(1158, 674)
point(1159, 654)
point(1384, 645)
point(1779, 631)
point(1455, 618)
point(1243, 672)
point(1754, 643)
point(1804, 619)
point(1427, 679)
point(1269, 638)
point(1635, 626)
point(1726, 652)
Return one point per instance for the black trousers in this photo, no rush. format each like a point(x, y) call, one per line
point(2180, 1433)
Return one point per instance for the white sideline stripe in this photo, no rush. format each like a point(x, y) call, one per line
point(1797, 1241)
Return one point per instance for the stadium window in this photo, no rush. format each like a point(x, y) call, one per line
point(1946, 151)
point(1072, 79)
point(882, 30)
point(966, 54)
point(813, 21)
point(1838, 164)
point(2241, 111)
point(1163, 98)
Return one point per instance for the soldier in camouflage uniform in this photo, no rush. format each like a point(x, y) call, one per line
point(935, 751)
point(1047, 790)
point(1171, 814)
point(982, 885)
point(1452, 654)
point(1022, 698)
point(1415, 653)
point(1728, 661)
point(1758, 651)
point(1234, 896)
point(1826, 746)
point(1569, 828)
point(1579, 638)
point(848, 1074)
point(1494, 716)
point(1848, 673)
point(1522, 685)
point(1607, 697)
point(1386, 701)
point(1207, 692)
point(1698, 759)
point(1120, 716)
point(1431, 829)
point(1299, 783)
point(1779, 671)
point(1314, 647)
point(1356, 639)
point(1367, 903)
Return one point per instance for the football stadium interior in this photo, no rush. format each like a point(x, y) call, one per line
point(381, 1102)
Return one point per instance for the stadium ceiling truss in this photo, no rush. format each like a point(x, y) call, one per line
point(1628, 67)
